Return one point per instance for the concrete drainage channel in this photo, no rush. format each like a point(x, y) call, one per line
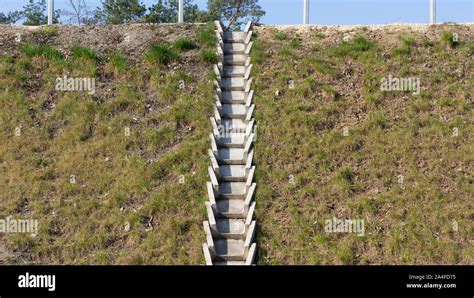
point(230, 229)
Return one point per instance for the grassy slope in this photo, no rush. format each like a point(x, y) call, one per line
point(135, 179)
point(120, 180)
point(300, 133)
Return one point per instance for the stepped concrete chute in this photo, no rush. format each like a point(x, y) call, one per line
point(230, 228)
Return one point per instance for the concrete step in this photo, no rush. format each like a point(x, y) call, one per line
point(231, 156)
point(233, 173)
point(233, 84)
point(234, 48)
point(230, 249)
point(230, 263)
point(233, 140)
point(234, 111)
point(234, 125)
point(232, 190)
point(231, 228)
point(234, 37)
point(235, 59)
point(233, 97)
point(230, 208)
point(234, 71)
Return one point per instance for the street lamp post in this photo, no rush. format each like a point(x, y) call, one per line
point(306, 12)
point(50, 11)
point(181, 11)
point(432, 11)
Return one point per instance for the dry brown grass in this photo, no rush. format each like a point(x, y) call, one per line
point(301, 135)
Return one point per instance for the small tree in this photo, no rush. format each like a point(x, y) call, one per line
point(95, 17)
point(166, 11)
point(121, 11)
point(35, 13)
point(10, 18)
point(235, 12)
point(80, 13)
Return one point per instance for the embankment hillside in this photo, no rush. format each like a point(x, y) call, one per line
point(112, 176)
point(334, 143)
point(117, 176)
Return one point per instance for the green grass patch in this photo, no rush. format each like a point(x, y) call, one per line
point(406, 48)
point(84, 52)
point(46, 33)
point(450, 39)
point(162, 53)
point(207, 36)
point(184, 44)
point(209, 56)
point(295, 42)
point(258, 54)
point(118, 62)
point(280, 35)
point(353, 48)
point(46, 51)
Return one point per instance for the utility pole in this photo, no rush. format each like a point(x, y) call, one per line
point(50, 11)
point(306, 12)
point(181, 11)
point(432, 11)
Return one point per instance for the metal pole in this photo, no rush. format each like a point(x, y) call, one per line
point(50, 11)
point(306, 12)
point(432, 11)
point(181, 11)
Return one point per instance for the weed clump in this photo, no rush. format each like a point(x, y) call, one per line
point(162, 53)
point(119, 61)
point(450, 39)
point(319, 35)
point(295, 42)
point(184, 44)
point(208, 55)
point(280, 35)
point(408, 44)
point(207, 36)
point(83, 52)
point(258, 54)
point(45, 34)
point(353, 48)
point(46, 51)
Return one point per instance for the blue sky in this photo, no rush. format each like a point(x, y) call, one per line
point(335, 12)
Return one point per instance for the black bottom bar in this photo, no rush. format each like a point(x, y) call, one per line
point(330, 281)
